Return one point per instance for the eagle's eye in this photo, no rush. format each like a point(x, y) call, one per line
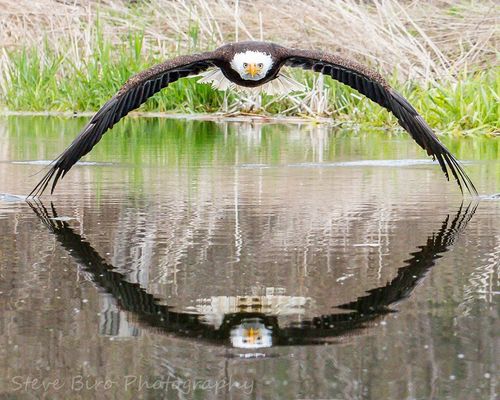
point(245, 65)
point(260, 65)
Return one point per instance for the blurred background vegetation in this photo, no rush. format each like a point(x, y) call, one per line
point(65, 55)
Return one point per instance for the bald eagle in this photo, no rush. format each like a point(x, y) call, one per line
point(251, 65)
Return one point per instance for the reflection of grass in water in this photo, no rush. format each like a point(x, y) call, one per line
point(170, 142)
point(150, 146)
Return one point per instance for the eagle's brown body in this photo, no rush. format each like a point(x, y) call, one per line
point(146, 83)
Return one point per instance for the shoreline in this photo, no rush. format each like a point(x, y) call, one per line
point(228, 117)
point(218, 117)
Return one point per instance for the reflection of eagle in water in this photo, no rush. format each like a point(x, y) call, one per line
point(253, 327)
point(252, 65)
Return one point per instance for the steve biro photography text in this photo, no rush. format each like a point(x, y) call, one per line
point(134, 383)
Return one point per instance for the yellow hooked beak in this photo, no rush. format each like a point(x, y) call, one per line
point(252, 335)
point(253, 70)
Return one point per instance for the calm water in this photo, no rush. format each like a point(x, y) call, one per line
point(189, 259)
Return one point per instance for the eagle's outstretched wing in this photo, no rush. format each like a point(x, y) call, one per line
point(136, 91)
point(373, 86)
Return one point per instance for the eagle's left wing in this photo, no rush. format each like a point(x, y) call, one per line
point(373, 86)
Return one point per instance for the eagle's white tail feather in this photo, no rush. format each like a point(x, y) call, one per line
point(217, 79)
point(281, 85)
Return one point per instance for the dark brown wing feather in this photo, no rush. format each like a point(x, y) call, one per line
point(136, 91)
point(373, 86)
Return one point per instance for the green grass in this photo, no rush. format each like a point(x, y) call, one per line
point(45, 80)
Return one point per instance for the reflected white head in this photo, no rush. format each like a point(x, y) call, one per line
point(252, 65)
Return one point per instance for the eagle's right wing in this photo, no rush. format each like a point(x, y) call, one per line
point(373, 86)
point(136, 91)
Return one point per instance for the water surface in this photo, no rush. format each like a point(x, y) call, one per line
point(187, 259)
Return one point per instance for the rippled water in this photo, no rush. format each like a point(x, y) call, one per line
point(190, 259)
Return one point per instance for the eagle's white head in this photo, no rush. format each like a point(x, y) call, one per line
point(252, 65)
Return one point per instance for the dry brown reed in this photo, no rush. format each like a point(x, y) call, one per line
point(422, 40)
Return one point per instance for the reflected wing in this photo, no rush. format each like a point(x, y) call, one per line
point(136, 91)
point(373, 86)
point(129, 296)
point(377, 302)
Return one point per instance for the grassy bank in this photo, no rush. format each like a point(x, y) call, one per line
point(449, 72)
